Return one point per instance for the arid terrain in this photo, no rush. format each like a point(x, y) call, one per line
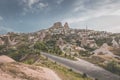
point(97, 47)
point(59, 39)
point(11, 70)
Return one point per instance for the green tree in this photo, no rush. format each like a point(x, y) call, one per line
point(40, 46)
point(113, 67)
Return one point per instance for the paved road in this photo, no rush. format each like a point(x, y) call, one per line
point(83, 66)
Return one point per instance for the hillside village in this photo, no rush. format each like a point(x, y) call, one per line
point(62, 40)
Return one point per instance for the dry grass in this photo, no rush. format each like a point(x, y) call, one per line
point(63, 72)
point(13, 70)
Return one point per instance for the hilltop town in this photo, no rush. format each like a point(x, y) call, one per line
point(98, 47)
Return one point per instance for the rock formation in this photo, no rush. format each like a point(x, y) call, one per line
point(11, 42)
point(41, 35)
point(1, 42)
point(66, 26)
point(57, 28)
point(5, 59)
point(83, 42)
point(115, 44)
point(12, 70)
point(60, 42)
point(57, 25)
point(103, 50)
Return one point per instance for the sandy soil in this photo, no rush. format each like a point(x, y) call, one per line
point(5, 59)
point(20, 71)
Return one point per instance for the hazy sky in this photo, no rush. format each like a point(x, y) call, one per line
point(33, 15)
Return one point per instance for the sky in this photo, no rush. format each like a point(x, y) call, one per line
point(33, 15)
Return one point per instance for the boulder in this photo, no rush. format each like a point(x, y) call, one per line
point(57, 25)
point(5, 59)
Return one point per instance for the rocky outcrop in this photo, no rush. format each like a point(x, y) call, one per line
point(57, 25)
point(83, 42)
point(89, 43)
point(103, 50)
point(11, 42)
point(57, 28)
point(5, 59)
point(115, 44)
point(11, 70)
point(41, 35)
point(66, 26)
point(119, 42)
point(60, 42)
point(1, 42)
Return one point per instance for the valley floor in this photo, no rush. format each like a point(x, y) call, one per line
point(85, 67)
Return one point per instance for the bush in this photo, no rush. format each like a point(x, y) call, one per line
point(40, 46)
point(30, 61)
point(95, 79)
point(84, 53)
point(113, 67)
point(84, 75)
point(70, 69)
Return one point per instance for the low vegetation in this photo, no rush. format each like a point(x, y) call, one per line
point(63, 72)
point(113, 67)
point(50, 47)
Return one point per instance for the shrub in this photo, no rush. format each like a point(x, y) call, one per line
point(84, 75)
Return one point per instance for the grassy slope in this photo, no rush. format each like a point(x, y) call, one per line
point(64, 73)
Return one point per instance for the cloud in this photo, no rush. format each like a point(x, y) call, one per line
point(115, 29)
point(59, 1)
point(42, 5)
point(87, 6)
point(97, 14)
point(75, 20)
point(30, 3)
point(117, 12)
point(5, 29)
point(33, 6)
point(89, 15)
point(79, 8)
point(108, 23)
point(88, 9)
point(1, 18)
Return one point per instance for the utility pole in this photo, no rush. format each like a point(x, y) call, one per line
point(86, 32)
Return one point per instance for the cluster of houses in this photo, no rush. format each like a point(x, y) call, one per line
point(85, 37)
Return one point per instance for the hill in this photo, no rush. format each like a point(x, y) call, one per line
point(11, 70)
